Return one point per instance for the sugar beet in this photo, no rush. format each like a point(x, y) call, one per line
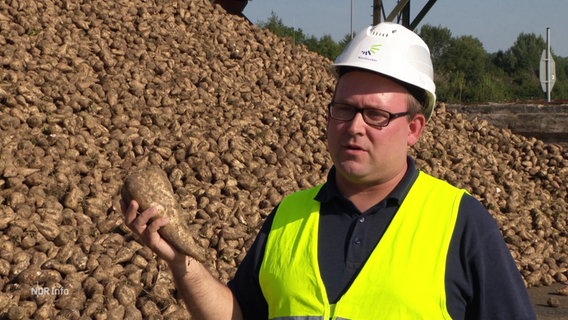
point(150, 187)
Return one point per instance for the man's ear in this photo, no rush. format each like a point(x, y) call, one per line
point(416, 126)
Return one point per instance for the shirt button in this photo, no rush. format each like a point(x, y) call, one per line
point(357, 241)
point(362, 219)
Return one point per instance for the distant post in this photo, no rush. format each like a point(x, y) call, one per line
point(547, 68)
point(351, 22)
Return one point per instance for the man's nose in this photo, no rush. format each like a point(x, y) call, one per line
point(357, 124)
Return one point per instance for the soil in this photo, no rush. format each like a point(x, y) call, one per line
point(540, 296)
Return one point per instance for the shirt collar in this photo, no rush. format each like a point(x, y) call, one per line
point(329, 190)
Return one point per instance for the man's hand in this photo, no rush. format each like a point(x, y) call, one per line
point(146, 227)
point(204, 296)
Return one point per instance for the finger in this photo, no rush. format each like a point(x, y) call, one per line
point(154, 241)
point(144, 217)
point(151, 235)
point(131, 212)
point(140, 222)
point(157, 224)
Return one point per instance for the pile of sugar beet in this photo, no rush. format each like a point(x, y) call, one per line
point(92, 90)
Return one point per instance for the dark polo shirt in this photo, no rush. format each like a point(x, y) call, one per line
point(482, 281)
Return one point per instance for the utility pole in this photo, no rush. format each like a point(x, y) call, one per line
point(351, 27)
point(377, 10)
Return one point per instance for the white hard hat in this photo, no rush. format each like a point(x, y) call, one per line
point(395, 51)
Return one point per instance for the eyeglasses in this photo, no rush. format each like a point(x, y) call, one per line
point(372, 116)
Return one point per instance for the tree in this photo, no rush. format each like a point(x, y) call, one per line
point(276, 26)
point(327, 47)
point(466, 55)
point(461, 65)
point(464, 71)
point(526, 52)
point(525, 59)
point(324, 45)
point(561, 85)
point(438, 40)
point(345, 41)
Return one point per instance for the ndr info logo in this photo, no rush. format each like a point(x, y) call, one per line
point(46, 291)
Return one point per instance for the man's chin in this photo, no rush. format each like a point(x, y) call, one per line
point(353, 172)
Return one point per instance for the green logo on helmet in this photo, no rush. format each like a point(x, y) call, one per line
point(374, 48)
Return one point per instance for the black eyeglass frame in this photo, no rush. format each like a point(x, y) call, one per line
point(362, 111)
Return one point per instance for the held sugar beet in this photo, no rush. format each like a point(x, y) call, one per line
point(150, 187)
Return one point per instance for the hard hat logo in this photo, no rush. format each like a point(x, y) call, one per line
point(374, 49)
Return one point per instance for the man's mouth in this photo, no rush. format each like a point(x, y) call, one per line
point(354, 147)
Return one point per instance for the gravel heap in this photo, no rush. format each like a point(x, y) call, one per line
point(91, 90)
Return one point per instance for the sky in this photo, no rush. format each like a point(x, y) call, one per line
point(497, 24)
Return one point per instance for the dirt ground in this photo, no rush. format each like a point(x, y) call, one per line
point(540, 297)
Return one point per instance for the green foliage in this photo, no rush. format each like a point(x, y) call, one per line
point(276, 26)
point(465, 64)
point(464, 71)
point(438, 39)
point(561, 86)
point(325, 45)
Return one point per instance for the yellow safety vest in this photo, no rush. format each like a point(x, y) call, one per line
point(402, 279)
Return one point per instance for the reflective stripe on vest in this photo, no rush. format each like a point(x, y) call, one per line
point(402, 279)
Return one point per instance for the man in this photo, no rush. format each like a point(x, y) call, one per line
point(378, 240)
